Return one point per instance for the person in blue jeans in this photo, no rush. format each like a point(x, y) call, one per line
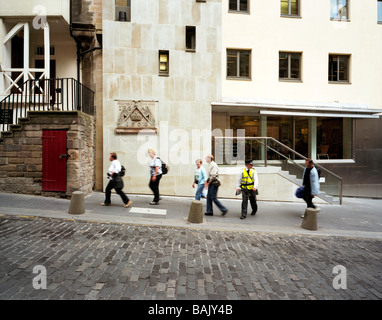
point(213, 184)
point(200, 177)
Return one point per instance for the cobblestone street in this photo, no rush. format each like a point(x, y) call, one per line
point(88, 260)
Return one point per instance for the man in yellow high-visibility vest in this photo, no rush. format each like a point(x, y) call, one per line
point(248, 184)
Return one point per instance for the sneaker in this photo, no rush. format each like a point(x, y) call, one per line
point(224, 212)
point(128, 204)
point(105, 204)
point(209, 214)
point(154, 203)
point(242, 217)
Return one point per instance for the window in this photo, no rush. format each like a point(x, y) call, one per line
point(290, 8)
point(339, 68)
point(190, 38)
point(334, 138)
point(238, 5)
point(164, 69)
point(339, 9)
point(379, 11)
point(238, 63)
point(123, 10)
point(289, 66)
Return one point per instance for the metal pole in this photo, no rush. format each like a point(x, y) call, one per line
point(266, 152)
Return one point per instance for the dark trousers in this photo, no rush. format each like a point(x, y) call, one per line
point(111, 186)
point(308, 197)
point(154, 186)
point(251, 195)
point(212, 198)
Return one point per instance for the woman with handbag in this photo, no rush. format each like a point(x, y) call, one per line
point(213, 184)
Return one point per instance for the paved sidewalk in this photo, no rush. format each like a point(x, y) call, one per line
point(358, 218)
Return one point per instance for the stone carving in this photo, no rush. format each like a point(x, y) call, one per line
point(135, 116)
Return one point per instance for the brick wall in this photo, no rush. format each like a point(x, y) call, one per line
point(21, 153)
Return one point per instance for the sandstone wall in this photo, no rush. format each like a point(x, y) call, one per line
point(21, 163)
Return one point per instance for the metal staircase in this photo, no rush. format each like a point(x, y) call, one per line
point(61, 94)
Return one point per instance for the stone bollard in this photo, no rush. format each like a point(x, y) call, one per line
point(309, 221)
point(77, 203)
point(195, 214)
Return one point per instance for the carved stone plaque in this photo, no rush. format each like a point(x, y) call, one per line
point(135, 116)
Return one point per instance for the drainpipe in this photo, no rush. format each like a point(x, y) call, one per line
point(78, 44)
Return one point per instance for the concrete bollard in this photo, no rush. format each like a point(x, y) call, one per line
point(309, 221)
point(195, 214)
point(77, 203)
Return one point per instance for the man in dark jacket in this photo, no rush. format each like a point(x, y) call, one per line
point(311, 183)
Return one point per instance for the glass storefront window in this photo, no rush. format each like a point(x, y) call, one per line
point(334, 138)
point(301, 141)
point(251, 125)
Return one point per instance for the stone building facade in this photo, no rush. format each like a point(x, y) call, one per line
point(21, 153)
point(135, 52)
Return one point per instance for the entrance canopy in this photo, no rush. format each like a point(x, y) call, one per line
point(298, 109)
point(319, 131)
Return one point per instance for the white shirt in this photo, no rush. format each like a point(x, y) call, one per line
point(115, 167)
point(213, 170)
point(155, 162)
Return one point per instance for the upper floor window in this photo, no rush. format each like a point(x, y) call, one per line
point(290, 7)
point(123, 10)
point(379, 11)
point(339, 67)
point(290, 66)
point(239, 5)
point(339, 10)
point(164, 60)
point(190, 38)
point(238, 64)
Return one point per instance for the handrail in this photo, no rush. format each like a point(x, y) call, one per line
point(266, 147)
point(59, 94)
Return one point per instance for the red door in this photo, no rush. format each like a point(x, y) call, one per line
point(54, 160)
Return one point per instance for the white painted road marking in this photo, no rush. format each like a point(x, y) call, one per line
point(148, 211)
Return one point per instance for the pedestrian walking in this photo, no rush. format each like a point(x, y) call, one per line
point(155, 175)
point(200, 177)
point(213, 184)
point(115, 182)
point(247, 184)
point(311, 183)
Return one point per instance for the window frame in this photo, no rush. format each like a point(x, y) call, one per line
point(347, 19)
point(248, 11)
point(338, 62)
point(289, 14)
point(238, 77)
point(193, 48)
point(289, 79)
point(165, 73)
point(127, 10)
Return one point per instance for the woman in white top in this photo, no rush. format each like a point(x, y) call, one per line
point(155, 175)
point(115, 182)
